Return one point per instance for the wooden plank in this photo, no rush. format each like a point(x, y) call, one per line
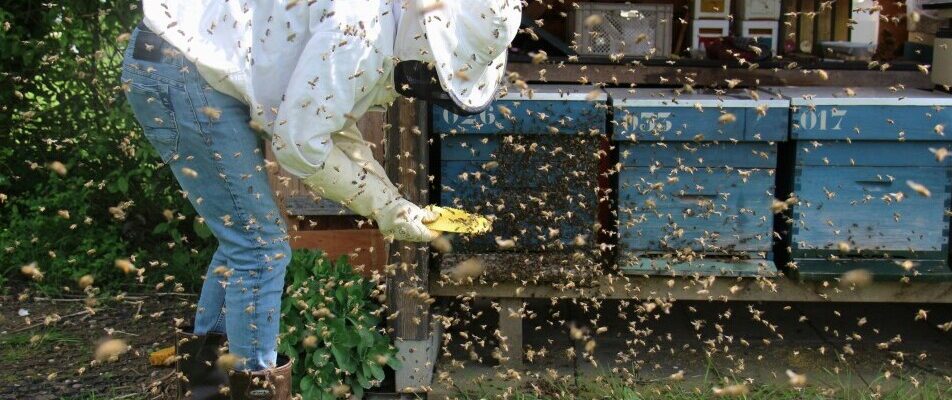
point(406, 163)
point(365, 247)
point(829, 268)
point(710, 211)
point(710, 289)
point(869, 153)
point(533, 268)
point(788, 25)
point(510, 333)
point(841, 19)
point(807, 26)
point(868, 122)
point(705, 267)
point(854, 205)
point(673, 156)
point(565, 107)
point(626, 74)
point(824, 23)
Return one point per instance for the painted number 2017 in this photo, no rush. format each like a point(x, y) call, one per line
point(822, 119)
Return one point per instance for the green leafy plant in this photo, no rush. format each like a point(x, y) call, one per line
point(80, 186)
point(331, 327)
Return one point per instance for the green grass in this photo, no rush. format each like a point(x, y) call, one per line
point(110, 396)
point(607, 387)
point(14, 347)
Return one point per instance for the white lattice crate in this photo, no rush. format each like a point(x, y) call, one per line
point(623, 29)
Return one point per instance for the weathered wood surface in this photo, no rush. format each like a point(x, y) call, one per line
point(407, 158)
point(365, 247)
point(529, 268)
point(624, 74)
point(296, 199)
point(510, 332)
point(711, 289)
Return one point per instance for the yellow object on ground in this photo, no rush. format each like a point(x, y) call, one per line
point(162, 357)
point(458, 221)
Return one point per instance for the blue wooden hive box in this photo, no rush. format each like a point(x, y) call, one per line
point(697, 181)
point(871, 192)
point(531, 164)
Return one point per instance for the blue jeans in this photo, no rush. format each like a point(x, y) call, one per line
point(204, 136)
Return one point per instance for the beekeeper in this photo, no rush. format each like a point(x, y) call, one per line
point(310, 69)
point(197, 71)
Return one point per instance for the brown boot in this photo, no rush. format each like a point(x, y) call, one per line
point(199, 377)
point(269, 384)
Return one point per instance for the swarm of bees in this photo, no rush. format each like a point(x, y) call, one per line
point(553, 199)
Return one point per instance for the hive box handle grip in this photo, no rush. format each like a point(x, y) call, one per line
point(874, 182)
point(695, 197)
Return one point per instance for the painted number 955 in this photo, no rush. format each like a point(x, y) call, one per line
point(650, 121)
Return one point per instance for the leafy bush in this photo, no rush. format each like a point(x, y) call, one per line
point(331, 327)
point(79, 185)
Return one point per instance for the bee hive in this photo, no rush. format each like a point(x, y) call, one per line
point(872, 182)
point(530, 163)
point(697, 181)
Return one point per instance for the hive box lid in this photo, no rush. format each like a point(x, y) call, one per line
point(656, 114)
point(542, 109)
point(867, 113)
point(860, 96)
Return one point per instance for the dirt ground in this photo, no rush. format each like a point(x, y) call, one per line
point(55, 360)
point(835, 345)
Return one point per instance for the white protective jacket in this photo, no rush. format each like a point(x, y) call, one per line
point(307, 68)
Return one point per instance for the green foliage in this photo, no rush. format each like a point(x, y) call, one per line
point(331, 326)
point(61, 101)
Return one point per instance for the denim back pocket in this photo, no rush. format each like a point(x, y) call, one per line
point(152, 107)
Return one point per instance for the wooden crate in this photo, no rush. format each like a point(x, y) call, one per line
point(622, 25)
point(531, 163)
point(325, 225)
point(857, 158)
point(695, 189)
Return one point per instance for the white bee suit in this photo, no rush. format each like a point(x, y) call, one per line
point(309, 69)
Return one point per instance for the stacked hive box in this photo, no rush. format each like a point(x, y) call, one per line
point(759, 19)
point(531, 163)
point(697, 181)
point(861, 160)
point(710, 22)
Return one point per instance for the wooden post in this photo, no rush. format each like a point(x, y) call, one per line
point(510, 332)
point(407, 161)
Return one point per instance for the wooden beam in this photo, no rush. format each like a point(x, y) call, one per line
point(406, 163)
point(706, 75)
point(711, 289)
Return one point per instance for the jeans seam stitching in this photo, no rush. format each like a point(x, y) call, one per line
point(218, 166)
point(255, 339)
point(161, 78)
